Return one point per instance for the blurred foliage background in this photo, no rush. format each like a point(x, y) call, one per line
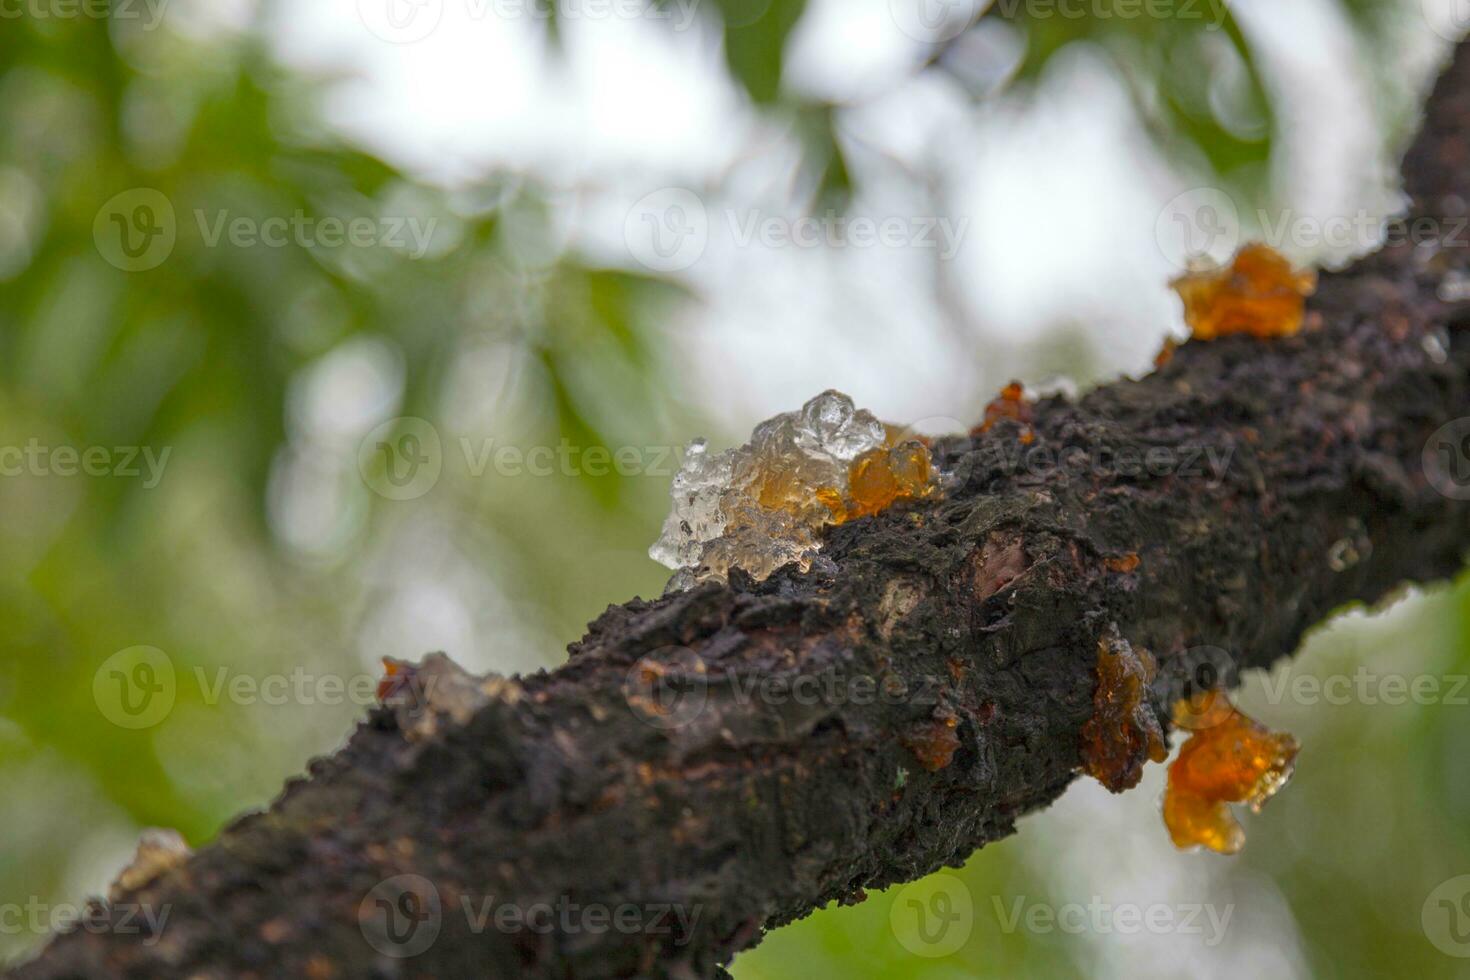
point(263, 548)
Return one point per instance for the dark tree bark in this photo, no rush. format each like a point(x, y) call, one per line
point(882, 715)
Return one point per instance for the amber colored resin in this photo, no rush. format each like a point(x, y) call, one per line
point(1010, 404)
point(934, 743)
point(396, 674)
point(880, 478)
point(1258, 293)
point(1235, 760)
point(1123, 563)
point(1123, 734)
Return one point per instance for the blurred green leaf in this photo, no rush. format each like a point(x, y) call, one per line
point(1185, 62)
point(755, 42)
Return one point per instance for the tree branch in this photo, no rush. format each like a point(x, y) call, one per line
point(879, 717)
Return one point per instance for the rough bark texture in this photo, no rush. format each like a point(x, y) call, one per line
point(955, 643)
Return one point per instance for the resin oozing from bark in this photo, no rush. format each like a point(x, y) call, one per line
point(1123, 733)
point(934, 742)
point(1258, 293)
point(1010, 404)
point(880, 478)
point(763, 505)
point(1228, 758)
